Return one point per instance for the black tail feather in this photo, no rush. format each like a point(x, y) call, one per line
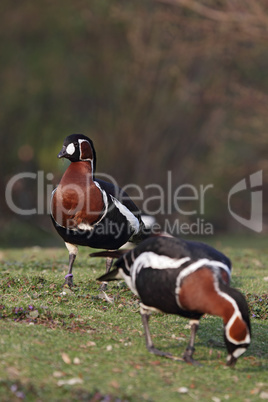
point(110, 253)
point(110, 276)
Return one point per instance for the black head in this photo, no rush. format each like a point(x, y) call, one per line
point(78, 147)
point(237, 331)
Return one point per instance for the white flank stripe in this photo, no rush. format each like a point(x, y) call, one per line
point(51, 199)
point(86, 226)
point(105, 200)
point(149, 259)
point(52, 195)
point(134, 222)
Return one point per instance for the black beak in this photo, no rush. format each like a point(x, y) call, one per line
point(62, 153)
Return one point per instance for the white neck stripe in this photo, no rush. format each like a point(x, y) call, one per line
point(80, 149)
point(200, 263)
point(194, 267)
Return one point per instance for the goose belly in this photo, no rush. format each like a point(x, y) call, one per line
point(108, 233)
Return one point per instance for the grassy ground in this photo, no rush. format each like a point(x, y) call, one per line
point(62, 345)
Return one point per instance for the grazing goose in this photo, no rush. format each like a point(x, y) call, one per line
point(189, 279)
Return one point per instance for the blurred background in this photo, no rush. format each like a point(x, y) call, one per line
point(176, 86)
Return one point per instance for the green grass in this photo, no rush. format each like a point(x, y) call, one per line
point(49, 339)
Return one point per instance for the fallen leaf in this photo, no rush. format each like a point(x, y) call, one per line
point(183, 390)
point(71, 381)
point(114, 384)
point(13, 372)
point(263, 395)
point(155, 362)
point(107, 298)
point(66, 358)
point(34, 314)
point(137, 366)
point(116, 370)
point(58, 374)
point(257, 262)
point(91, 343)
point(88, 344)
point(38, 342)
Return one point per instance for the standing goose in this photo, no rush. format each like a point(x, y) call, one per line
point(189, 279)
point(89, 212)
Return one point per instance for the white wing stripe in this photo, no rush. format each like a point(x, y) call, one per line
point(149, 259)
point(134, 222)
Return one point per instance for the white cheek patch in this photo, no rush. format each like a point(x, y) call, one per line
point(70, 149)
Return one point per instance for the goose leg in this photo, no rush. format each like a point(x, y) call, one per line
point(73, 250)
point(189, 351)
point(109, 262)
point(145, 315)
